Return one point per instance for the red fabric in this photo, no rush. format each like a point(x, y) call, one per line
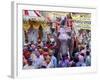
point(26, 13)
point(70, 23)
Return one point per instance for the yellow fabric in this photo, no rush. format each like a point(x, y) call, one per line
point(26, 27)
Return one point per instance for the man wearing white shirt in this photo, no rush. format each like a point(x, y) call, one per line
point(37, 63)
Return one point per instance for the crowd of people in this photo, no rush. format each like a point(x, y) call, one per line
point(59, 45)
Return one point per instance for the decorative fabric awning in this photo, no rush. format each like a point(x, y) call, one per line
point(36, 16)
point(33, 15)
